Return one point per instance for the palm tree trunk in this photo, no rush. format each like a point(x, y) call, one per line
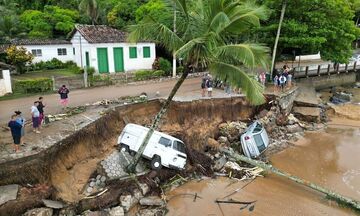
point(337, 197)
point(163, 110)
point(277, 37)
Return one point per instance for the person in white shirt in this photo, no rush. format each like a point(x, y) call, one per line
point(282, 80)
point(35, 114)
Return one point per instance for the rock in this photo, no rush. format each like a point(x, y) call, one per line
point(39, 212)
point(152, 201)
point(281, 120)
point(219, 164)
point(70, 211)
point(292, 119)
point(95, 213)
point(8, 192)
point(116, 211)
point(144, 188)
point(151, 212)
point(232, 165)
point(263, 113)
point(308, 114)
point(223, 139)
point(212, 143)
point(53, 204)
point(127, 202)
point(294, 128)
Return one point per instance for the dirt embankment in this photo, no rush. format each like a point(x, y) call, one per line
point(68, 164)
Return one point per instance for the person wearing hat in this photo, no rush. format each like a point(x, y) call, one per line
point(21, 120)
point(209, 85)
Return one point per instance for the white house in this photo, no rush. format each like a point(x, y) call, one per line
point(47, 49)
point(98, 46)
point(105, 49)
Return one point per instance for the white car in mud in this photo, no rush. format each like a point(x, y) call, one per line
point(255, 140)
point(162, 149)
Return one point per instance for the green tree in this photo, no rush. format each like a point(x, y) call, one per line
point(311, 26)
point(155, 9)
point(53, 21)
point(204, 43)
point(18, 57)
point(90, 8)
point(123, 14)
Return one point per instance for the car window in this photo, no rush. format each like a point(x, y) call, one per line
point(164, 141)
point(257, 128)
point(179, 146)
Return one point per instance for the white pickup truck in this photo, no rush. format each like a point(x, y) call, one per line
point(162, 149)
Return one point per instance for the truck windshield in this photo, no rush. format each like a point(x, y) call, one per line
point(179, 146)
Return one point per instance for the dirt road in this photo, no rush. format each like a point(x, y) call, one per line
point(83, 96)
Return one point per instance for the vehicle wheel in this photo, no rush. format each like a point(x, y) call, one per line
point(124, 148)
point(156, 163)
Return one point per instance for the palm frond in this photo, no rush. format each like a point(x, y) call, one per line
point(179, 4)
point(251, 55)
point(237, 77)
point(219, 22)
point(150, 30)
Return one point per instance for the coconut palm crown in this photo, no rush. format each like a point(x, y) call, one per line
point(208, 38)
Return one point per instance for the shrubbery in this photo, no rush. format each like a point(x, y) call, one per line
point(162, 64)
point(33, 85)
point(54, 64)
point(148, 74)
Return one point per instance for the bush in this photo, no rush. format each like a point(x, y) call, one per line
point(33, 85)
point(158, 73)
point(165, 65)
point(54, 64)
point(143, 75)
point(90, 71)
point(100, 80)
point(180, 70)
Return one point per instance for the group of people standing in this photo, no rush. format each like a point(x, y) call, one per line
point(17, 122)
point(207, 85)
point(283, 79)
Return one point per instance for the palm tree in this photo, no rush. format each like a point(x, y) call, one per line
point(210, 26)
point(90, 8)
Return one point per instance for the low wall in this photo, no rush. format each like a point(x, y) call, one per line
point(5, 82)
point(286, 101)
point(72, 82)
point(323, 82)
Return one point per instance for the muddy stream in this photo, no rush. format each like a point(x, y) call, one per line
point(329, 158)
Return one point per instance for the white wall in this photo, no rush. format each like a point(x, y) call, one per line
point(50, 51)
point(5, 83)
point(129, 64)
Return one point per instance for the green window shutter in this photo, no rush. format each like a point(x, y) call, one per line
point(133, 52)
point(146, 52)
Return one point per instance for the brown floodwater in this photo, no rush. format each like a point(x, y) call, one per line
point(330, 159)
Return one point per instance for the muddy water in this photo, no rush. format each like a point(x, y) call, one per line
point(329, 158)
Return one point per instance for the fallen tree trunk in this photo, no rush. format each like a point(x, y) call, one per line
point(331, 194)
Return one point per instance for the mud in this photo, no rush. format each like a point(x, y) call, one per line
point(328, 158)
point(68, 164)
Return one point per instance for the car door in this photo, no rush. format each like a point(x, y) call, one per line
point(177, 154)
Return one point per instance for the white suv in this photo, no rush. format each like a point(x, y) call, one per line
point(255, 140)
point(162, 149)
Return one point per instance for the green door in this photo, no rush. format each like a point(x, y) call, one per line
point(102, 58)
point(87, 59)
point(119, 59)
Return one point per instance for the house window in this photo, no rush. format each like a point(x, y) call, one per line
point(61, 51)
point(133, 52)
point(36, 52)
point(165, 142)
point(146, 52)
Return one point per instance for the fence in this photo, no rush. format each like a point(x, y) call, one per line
point(327, 70)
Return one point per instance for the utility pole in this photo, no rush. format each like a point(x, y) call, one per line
point(174, 56)
point(277, 37)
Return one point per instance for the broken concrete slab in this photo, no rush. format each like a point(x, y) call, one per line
point(53, 204)
point(144, 188)
point(219, 164)
point(39, 212)
point(127, 202)
point(309, 114)
point(294, 128)
point(152, 201)
point(116, 211)
point(8, 192)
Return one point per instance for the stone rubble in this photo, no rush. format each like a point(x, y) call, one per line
point(39, 212)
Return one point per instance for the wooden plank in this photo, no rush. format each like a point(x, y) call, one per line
point(306, 71)
point(328, 69)
point(355, 66)
point(318, 70)
point(346, 68)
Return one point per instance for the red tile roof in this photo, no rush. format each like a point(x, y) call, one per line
point(100, 34)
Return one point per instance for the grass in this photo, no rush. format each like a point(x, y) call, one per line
point(44, 74)
point(17, 95)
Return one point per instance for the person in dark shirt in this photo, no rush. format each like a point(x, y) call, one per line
point(15, 128)
point(40, 107)
point(63, 91)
